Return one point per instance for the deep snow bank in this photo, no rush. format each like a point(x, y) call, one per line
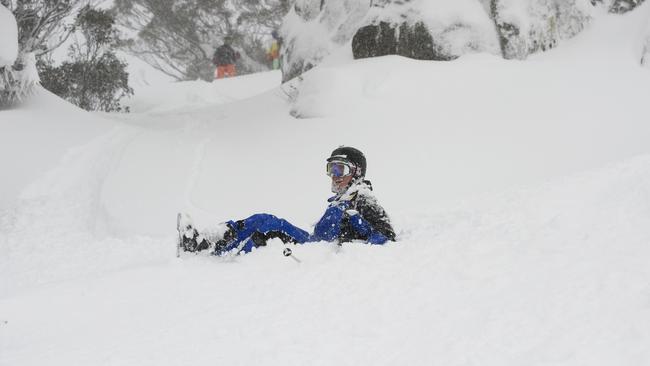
point(35, 136)
point(550, 274)
point(434, 133)
point(63, 208)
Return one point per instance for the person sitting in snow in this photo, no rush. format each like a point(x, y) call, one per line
point(352, 214)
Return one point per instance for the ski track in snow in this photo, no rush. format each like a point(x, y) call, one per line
point(59, 226)
point(192, 181)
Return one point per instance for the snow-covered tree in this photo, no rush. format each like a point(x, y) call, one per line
point(43, 25)
point(178, 37)
point(94, 79)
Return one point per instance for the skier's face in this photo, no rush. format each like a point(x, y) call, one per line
point(340, 184)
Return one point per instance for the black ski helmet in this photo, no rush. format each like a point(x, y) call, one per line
point(351, 155)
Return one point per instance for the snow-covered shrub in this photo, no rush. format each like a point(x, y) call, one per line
point(18, 75)
point(94, 79)
point(619, 6)
point(623, 6)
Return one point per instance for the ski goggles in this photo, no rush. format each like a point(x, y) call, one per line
point(339, 169)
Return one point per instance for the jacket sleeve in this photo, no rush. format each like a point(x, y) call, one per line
point(373, 220)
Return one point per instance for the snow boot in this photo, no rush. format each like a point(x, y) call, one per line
point(194, 242)
point(222, 245)
point(190, 239)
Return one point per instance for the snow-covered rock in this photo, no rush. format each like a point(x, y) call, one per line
point(8, 37)
point(426, 29)
point(423, 29)
point(529, 26)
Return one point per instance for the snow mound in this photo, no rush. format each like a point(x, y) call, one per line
point(555, 273)
point(196, 94)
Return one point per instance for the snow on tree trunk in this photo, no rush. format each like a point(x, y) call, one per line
point(18, 81)
point(18, 75)
point(314, 28)
point(9, 77)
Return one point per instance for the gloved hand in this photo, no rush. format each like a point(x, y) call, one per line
point(329, 226)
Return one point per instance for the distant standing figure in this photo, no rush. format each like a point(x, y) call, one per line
point(273, 53)
point(224, 59)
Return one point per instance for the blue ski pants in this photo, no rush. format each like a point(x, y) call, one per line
point(263, 224)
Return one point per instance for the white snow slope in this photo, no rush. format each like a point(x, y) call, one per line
point(520, 190)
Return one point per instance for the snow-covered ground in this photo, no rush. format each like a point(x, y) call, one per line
point(520, 191)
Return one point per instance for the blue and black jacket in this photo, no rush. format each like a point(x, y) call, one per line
point(354, 215)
